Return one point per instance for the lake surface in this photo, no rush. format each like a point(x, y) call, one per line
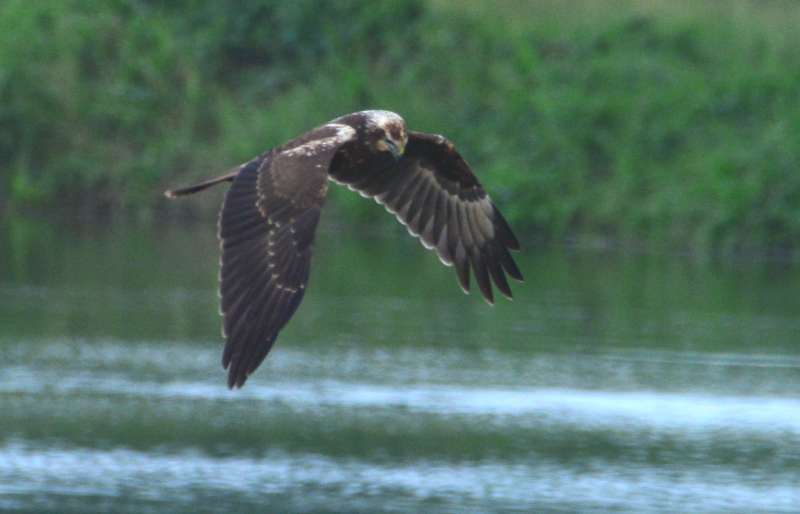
point(614, 382)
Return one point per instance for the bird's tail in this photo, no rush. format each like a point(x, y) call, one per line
point(183, 191)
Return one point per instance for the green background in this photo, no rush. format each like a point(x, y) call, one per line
point(673, 122)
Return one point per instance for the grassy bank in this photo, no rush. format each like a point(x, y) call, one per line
point(645, 119)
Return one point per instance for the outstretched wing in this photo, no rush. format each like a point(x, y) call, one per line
point(266, 230)
point(433, 191)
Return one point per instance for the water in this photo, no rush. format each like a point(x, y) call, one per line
point(615, 382)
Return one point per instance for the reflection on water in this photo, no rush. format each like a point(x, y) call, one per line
point(93, 478)
point(613, 382)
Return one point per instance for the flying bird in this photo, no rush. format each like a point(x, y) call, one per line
point(271, 210)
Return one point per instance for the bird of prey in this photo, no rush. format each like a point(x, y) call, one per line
point(271, 210)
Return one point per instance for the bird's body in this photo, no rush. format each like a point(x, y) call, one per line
point(271, 211)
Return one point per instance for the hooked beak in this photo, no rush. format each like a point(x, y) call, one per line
point(395, 149)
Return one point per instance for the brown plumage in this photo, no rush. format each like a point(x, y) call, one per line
point(271, 211)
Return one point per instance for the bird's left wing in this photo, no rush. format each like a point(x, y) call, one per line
point(266, 229)
point(433, 191)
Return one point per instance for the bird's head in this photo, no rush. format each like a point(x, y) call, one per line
point(388, 131)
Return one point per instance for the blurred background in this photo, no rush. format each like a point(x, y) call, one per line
point(646, 152)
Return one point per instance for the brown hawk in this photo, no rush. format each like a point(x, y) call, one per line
point(271, 211)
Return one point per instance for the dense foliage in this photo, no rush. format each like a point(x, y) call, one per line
point(622, 122)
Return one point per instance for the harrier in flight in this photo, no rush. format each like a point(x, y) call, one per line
point(271, 211)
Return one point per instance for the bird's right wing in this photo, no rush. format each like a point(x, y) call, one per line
point(266, 229)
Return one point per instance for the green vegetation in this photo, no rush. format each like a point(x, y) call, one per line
point(670, 121)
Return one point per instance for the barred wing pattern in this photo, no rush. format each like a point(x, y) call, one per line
point(266, 229)
point(433, 191)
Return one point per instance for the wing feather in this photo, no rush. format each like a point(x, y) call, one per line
point(394, 188)
point(237, 285)
point(433, 191)
point(400, 206)
point(424, 207)
point(266, 230)
point(496, 271)
point(462, 266)
point(243, 234)
point(506, 235)
point(442, 248)
point(504, 256)
point(413, 209)
point(465, 229)
point(481, 274)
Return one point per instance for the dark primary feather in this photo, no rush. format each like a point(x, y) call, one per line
point(266, 230)
point(433, 191)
